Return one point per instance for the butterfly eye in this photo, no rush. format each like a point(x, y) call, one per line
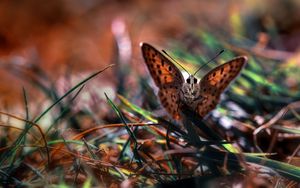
point(188, 80)
point(195, 80)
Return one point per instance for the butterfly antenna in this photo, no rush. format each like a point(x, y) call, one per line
point(175, 61)
point(209, 61)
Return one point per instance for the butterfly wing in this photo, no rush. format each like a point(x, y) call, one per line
point(166, 76)
point(162, 70)
point(169, 98)
point(216, 81)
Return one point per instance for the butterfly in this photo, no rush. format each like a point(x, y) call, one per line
point(200, 96)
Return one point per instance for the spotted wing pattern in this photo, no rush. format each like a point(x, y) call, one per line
point(166, 76)
point(215, 82)
point(169, 98)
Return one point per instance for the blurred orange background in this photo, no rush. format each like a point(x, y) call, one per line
point(63, 36)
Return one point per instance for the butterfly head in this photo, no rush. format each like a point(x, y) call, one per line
point(190, 91)
point(191, 80)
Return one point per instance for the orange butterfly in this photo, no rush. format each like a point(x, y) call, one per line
point(202, 96)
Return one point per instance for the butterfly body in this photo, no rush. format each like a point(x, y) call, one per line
point(200, 96)
point(190, 92)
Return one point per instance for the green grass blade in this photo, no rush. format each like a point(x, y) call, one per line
point(144, 113)
point(70, 91)
point(131, 134)
point(284, 169)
